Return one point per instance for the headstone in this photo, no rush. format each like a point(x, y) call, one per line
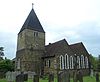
point(51, 77)
point(75, 76)
point(31, 74)
point(97, 77)
point(25, 77)
point(91, 73)
point(10, 76)
point(64, 76)
point(36, 78)
point(79, 76)
point(20, 77)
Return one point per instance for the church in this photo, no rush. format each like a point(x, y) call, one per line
point(33, 55)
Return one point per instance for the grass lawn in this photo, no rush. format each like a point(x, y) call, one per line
point(85, 79)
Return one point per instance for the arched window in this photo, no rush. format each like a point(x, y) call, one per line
point(82, 62)
point(71, 62)
point(49, 63)
point(66, 62)
point(87, 63)
point(61, 62)
point(78, 61)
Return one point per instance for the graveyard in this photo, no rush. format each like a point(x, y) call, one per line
point(85, 79)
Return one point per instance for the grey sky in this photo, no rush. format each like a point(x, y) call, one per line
point(74, 20)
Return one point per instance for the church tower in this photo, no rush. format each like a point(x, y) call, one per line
point(30, 45)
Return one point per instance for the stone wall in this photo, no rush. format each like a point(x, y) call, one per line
point(30, 49)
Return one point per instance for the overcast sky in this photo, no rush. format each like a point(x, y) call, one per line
point(74, 20)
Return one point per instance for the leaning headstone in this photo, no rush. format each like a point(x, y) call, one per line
point(20, 78)
point(51, 77)
point(36, 78)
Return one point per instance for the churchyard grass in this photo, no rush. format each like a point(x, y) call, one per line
point(85, 79)
point(3, 80)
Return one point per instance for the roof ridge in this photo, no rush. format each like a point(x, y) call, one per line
point(76, 43)
point(56, 42)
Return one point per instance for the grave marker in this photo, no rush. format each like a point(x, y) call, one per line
point(51, 77)
point(36, 78)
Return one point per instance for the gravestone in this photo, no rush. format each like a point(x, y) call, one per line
point(51, 77)
point(25, 77)
point(97, 77)
point(31, 74)
point(75, 76)
point(91, 73)
point(36, 78)
point(79, 76)
point(10, 76)
point(64, 76)
point(20, 77)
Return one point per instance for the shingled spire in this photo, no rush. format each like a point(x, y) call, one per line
point(32, 22)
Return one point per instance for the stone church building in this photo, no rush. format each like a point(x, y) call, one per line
point(33, 55)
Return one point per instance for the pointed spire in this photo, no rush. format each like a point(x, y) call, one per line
point(32, 22)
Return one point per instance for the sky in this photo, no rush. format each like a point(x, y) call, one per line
point(74, 20)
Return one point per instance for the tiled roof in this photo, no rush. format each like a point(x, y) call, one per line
point(32, 22)
point(78, 48)
point(57, 48)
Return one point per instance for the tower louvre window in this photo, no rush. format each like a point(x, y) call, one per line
point(35, 34)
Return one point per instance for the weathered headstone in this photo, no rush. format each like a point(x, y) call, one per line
point(31, 74)
point(79, 76)
point(36, 78)
point(25, 77)
point(91, 73)
point(75, 76)
point(97, 77)
point(51, 77)
point(10, 76)
point(20, 77)
point(64, 76)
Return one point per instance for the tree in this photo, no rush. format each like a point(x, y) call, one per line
point(1, 53)
point(98, 63)
point(6, 65)
point(93, 61)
